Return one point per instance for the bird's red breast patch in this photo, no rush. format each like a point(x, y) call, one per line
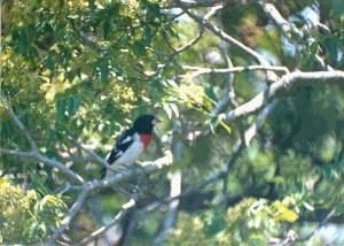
point(146, 139)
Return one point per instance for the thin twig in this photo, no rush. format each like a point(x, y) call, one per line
point(252, 131)
point(224, 36)
point(94, 156)
point(74, 210)
point(89, 42)
point(229, 78)
point(195, 3)
point(18, 122)
point(289, 30)
point(188, 44)
point(318, 227)
point(51, 163)
point(229, 96)
point(124, 210)
point(204, 71)
point(34, 153)
point(246, 138)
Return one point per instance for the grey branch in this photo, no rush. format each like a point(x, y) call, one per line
point(288, 29)
point(204, 71)
point(318, 227)
point(169, 221)
point(229, 78)
point(189, 44)
point(197, 38)
point(271, 76)
point(197, 3)
point(51, 163)
point(18, 122)
point(224, 36)
point(285, 83)
point(125, 208)
point(34, 153)
point(229, 96)
point(87, 40)
point(245, 140)
point(73, 211)
point(278, 19)
point(252, 131)
point(97, 185)
point(92, 155)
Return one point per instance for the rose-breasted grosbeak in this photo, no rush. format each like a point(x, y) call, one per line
point(132, 142)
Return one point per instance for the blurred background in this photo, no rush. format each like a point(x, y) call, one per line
point(77, 73)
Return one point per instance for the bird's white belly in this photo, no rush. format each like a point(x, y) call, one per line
point(132, 153)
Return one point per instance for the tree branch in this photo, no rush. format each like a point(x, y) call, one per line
point(73, 211)
point(93, 156)
point(124, 210)
point(18, 122)
point(284, 84)
point(87, 40)
point(204, 71)
point(197, 3)
point(221, 34)
point(97, 185)
point(271, 76)
point(175, 178)
point(288, 29)
point(317, 228)
point(34, 153)
point(51, 163)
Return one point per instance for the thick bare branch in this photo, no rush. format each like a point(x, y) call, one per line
point(299, 78)
point(278, 19)
point(287, 82)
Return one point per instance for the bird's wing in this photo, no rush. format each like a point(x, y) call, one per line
point(123, 142)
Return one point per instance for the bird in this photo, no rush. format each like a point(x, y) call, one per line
point(132, 142)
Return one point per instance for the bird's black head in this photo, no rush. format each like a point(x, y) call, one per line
point(144, 124)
